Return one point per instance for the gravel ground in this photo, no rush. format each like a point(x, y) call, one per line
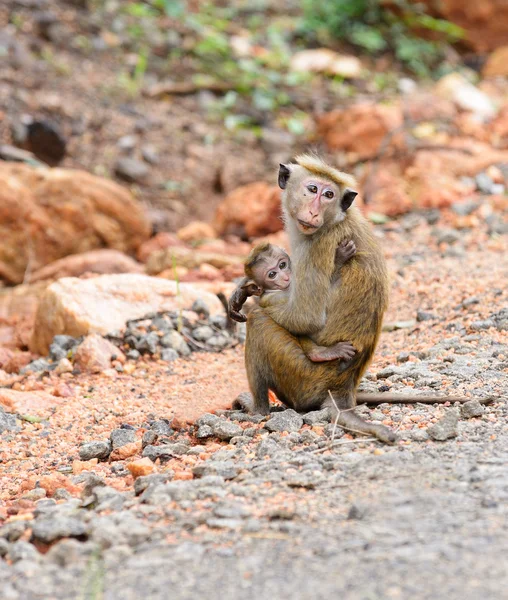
point(284, 506)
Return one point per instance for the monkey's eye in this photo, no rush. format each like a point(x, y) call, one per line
point(328, 194)
point(272, 274)
point(282, 265)
point(312, 188)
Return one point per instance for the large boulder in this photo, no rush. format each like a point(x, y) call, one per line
point(105, 303)
point(485, 22)
point(250, 211)
point(46, 214)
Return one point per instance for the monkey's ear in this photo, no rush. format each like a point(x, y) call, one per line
point(284, 174)
point(347, 199)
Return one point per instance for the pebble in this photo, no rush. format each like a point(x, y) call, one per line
point(287, 420)
point(8, 422)
point(175, 340)
point(225, 430)
point(201, 308)
point(96, 449)
point(169, 355)
point(131, 169)
point(446, 427)
point(203, 333)
point(470, 409)
point(218, 342)
point(51, 528)
point(121, 437)
point(317, 416)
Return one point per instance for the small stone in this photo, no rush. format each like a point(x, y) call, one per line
point(484, 183)
point(149, 154)
point(51, 528)
point(22, 550)
point(220, 321)
point(205, 431)
point(161, 427)
point(95, 354)
point(225, 430)
point(449, 236)
point(403, 357)
point(200, 307)
point(148, 343)
point(464, 208)
point(424, 316)
point(175, 340)
point(8, 422)
point(207, 419)
point(126, 450)
point(317, 416)
point(169, 355)
point(218, 342)
point(141, 467)
point(287, 420)
point(133, 354)
point(4, 547)
point(470, 409)
point(419, 435)
point(470, 301)
point(13, 531)
point(131, 170)
point(36, 366)
point(64, 366)
point(127, 142)
point(446, 427)
point(479, 325)
point(121, 437)
point(357, 512)
point(149, 438)
point(144, 481)
point(202, 333)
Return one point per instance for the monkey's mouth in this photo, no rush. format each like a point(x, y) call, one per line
point(307, 227)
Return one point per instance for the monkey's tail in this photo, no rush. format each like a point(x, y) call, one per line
point(367, 398)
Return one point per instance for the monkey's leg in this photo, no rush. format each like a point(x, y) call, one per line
point(340, 351)
point(348, 418)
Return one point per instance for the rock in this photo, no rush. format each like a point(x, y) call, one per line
point(126, 450)
point(141, 467)
point(317, 416)
point(323, 60)
point(97, 449)
point(466, 96)
point(131, 169)
point(485, 24)
point(250, 211)
point(148, 343)
point(287, 420)
point(120, 437)
point(96, 261)
point(144, 481)
point(225, 430)
point(13, 361)
point(497, 63)
point(95, 354)
point(446, 427)
point(22, 551)
point(204, 431)
point(4, 547)
point(8, 422)
point(150, 155)
point(175, 341)
point(218, 342)
point(196, 231)
point(480, 325)
point(169, 355)
point(31, 403)
point(203, 333)
point(447, 236)
point(174, 258)
point(46, 141)
point(424, 316)
point(360, 128)
point(160, 241)
point(54, 481)
point(51, 528)
point(13, 531)
point(200, 307)
point(62, 212)
point(470, 409)
point(77, 307)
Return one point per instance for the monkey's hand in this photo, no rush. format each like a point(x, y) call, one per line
point(238, 298)
point(344, 252)
point(341, 351)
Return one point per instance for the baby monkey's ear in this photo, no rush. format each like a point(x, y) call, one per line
point(347, 198)
point(284, 173)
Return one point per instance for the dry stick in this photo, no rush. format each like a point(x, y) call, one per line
point(343, 442)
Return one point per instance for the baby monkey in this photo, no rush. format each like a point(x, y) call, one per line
point(268, 271)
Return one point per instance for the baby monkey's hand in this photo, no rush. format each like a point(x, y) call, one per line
point(344, 252)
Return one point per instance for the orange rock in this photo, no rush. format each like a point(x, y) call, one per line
point(159, 242)
point(77, 307)
point(12, 362)
point(497, 63)
point(36, 402)
point(53, 481)
point(46, 214)
point(251, 210)
point(188, 258)
point(78, 466)
point(183, 475)
point(126, 451)
point(141, 467)
point(359, 129)
point(94, 354)
point(196, 231)
point(96, 261)
point(210, 272)
point(62, 390)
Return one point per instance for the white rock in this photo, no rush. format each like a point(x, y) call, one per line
point(81, 306)
point(466, 96)
point(323, 60)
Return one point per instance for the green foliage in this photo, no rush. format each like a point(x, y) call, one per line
point(417, 39)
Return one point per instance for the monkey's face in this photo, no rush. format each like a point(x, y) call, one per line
point(274, 273)
point(312, 200)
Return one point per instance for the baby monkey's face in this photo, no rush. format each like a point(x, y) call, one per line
point(274, 273)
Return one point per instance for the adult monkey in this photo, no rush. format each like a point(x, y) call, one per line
point(316, 203)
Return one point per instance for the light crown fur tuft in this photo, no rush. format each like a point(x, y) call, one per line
point(316, 165)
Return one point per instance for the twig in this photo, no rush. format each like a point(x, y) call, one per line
point(336, 418)
point(342, 443)
point(186, 88)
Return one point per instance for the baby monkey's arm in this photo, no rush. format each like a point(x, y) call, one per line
point(345, 251)
point(244, 290)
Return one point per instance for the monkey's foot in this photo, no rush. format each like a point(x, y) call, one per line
point(341, 351)
point(354, 423)
point(344, 252)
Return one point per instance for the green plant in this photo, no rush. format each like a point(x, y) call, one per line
point(401, 26)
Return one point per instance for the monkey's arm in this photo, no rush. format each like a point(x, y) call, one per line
point(244, 290)
point(339, 351)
